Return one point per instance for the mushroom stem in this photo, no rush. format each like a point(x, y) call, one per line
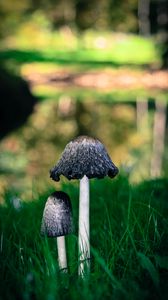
point(62, 259)
point(84, 231)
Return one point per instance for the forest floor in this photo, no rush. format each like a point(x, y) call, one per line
point(102, 79)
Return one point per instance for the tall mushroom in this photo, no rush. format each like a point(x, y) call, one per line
point(57, 222)
point(84, 158)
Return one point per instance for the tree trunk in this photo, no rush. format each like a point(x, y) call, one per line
point(143, 17)
point(158, 138)
point(142, 114)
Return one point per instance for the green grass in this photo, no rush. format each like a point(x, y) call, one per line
point(47, 92)
point(90, 50)
point(129, 245)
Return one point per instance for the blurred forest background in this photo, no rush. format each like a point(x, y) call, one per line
point(82, 67)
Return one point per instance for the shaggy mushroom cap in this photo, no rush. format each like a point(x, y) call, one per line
point(84, 156)
point(57, 216)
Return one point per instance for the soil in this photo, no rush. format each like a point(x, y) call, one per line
point(106, 79)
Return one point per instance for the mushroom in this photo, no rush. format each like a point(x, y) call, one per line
point(84, 158)
point(57, 222)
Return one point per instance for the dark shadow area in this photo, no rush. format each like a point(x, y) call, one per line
point(16, 103)
point(68, 58)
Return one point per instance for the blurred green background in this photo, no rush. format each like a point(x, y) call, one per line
point(96, 68)
point(82, 67)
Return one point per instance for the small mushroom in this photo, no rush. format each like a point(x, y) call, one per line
point(57, 222)
point(84, 158)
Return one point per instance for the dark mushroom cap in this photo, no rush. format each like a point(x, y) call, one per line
point(57, 215)
point(84, 156)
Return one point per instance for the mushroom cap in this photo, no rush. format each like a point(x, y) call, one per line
point(84, 156)
point(57, 215)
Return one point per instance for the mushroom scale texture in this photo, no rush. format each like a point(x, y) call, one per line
point(84, 156)
point(57, 215)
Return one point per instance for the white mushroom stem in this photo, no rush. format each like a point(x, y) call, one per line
point(84, 230)
point(62, 259)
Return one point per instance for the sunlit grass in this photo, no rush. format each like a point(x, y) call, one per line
point(47, 92)
point(94, 49)
point(128, 245)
